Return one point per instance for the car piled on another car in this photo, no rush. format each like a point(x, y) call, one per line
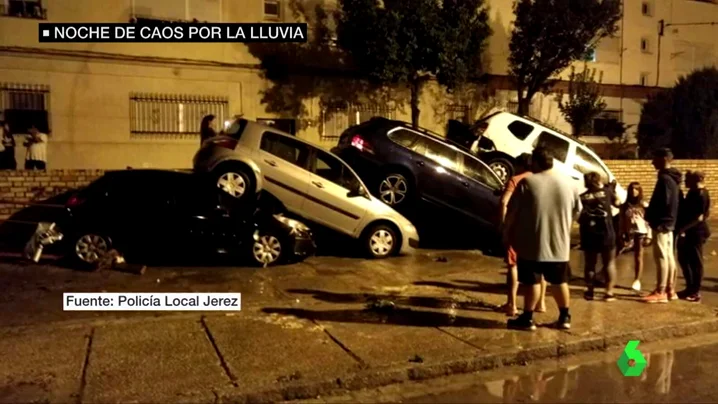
point(310, 183)
point(146, 214)
point(402, 165)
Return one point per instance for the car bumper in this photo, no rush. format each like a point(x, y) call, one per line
point(410, 243)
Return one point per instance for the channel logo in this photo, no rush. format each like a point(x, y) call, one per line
point(631, 363)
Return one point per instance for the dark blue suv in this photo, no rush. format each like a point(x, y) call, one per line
point(401, 165)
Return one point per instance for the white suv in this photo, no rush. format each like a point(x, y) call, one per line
point(503, 136)
point(310, 182)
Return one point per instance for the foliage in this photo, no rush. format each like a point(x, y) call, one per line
point(620, 147)
point(584, 101)
point(407, 42)
point(549, 35)
point(684, 118)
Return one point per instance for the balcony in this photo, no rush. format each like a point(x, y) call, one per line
point(23, 9)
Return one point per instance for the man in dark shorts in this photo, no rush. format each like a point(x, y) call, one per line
point(538, 226)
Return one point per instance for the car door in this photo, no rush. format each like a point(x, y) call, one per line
point(283, 162)
point(328, 202)
point(482, 190)
point(438, 176)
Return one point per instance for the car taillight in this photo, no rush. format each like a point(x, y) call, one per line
point(74, 201)
point(362, 145)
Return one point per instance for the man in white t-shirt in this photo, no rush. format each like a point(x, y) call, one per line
point(36, 156)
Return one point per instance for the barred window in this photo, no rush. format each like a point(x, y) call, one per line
point(458, 112)
point(25, 105)
point(23, 9)
point(337, 119)
point(172, 114)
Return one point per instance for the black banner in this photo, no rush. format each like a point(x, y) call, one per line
point(172, 32)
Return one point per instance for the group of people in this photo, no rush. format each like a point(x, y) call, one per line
point(35, 144)
point(540, 205)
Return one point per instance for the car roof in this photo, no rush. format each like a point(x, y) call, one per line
point(262, 127)
point(533, 120)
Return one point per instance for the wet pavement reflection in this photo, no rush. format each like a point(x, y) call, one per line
point(682, 376)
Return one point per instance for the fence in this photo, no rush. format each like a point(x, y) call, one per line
point(337, 119)
point(25, 105)
point(172, 114)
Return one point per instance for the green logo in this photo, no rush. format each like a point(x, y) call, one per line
point(631, 353)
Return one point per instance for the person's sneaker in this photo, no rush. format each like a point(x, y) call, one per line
point(636, 285)
point(694, 298)
point(521, 323)
point(684, 294)
point(609, 297)
point(656, 297)
point(671, 294)
point(564, 322)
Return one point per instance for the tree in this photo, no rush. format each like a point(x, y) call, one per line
point(684, 118)
point(584, 101)
point(408, 42)
point(549, 35)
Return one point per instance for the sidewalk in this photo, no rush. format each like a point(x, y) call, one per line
point(316, 342)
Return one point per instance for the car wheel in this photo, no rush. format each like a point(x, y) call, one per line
point(267, 248)
point(89, 248)
point(394, 189)
point(381, 241)
point(502, 167)
point(234, 181)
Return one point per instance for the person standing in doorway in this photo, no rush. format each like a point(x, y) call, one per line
point(693, 231)
point(208, 128)
point(7, 156)
point(36, 156)
point(598, 237)
point(538, 226)
point(522, 168)
point(662, 214)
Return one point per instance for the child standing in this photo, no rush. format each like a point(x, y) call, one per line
point(634, 229)
point(598, 236)
point(693, 231)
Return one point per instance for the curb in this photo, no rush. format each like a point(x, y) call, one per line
point(378, 377)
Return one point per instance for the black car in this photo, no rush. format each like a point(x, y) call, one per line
point(401, 164)
point(149, 214)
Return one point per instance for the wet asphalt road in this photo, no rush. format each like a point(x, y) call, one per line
point(675, 374)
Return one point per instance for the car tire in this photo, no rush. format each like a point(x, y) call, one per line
point(394, 189)
point(502, 167)
point(381, 241)
point(234, 180)
point(87, 249)
point(268, 248)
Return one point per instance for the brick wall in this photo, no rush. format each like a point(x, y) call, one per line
point(17, 188)
point(627, 171)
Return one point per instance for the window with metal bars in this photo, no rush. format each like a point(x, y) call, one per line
point(25, 105)
point(23, 9)
point(173, 114)
point(337, 119)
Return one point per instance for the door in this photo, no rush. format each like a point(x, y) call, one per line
point(438, 178)
point(327, 201)
point(482, 188)
point(283, 162)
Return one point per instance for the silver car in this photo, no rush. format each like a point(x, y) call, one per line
point(310, 182)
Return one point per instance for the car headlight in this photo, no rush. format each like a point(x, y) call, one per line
point(295, 226)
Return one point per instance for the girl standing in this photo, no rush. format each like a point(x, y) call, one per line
point(634, 229)
point(693, 231)
point(598, 236)
point(7, 156)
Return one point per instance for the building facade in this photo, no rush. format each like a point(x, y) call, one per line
point(113, 105)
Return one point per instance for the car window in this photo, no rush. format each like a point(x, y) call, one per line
point(557, 146)
point(521, 129)
point(285, 148)
point(476, 170)
point(586, 163)
point(440, 153)
point(403, 137)
point(332, 169)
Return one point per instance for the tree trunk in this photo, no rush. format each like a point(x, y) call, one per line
point(523, 107)
point(415, 94)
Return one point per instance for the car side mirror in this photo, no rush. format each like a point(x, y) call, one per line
point(357, 192)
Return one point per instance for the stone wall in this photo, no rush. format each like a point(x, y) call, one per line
point(18, 188)
point(627, 171)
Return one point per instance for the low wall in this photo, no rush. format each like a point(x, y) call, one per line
point(17, 188)
point(627, 171)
